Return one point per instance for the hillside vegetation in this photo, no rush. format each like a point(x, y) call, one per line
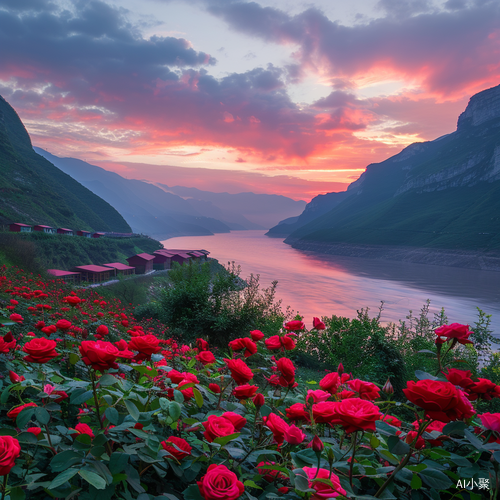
point(40, 251)
point(34, 191)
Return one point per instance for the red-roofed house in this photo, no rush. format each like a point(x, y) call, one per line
point(17, 227)
point(44, 229)
point(163, 259)
point(143, 263)
point(97, 235)
point(86, 234)
point(65, 275)
point(121, 269)
point(63, 230)
point(94, 274)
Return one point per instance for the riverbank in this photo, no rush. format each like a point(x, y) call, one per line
point(484, 261)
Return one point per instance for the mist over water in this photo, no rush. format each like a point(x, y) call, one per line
point(315, 284)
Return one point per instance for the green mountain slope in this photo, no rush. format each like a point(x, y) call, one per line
point(439, 194)
point(34, 191)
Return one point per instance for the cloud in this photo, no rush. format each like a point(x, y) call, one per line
point(448, 52)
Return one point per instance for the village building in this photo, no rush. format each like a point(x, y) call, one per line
point(97, 235)
point(44, 229)
point(94, 274)
point(85, 234)
point(63, 230)
point(162, 259)
point(143, 263)
point(68, 276)
point(121, 269)
point(17, 227)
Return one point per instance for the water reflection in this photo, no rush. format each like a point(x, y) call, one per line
point(317, 284)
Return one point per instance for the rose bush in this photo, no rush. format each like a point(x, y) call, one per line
point(142, 416)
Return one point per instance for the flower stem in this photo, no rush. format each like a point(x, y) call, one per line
point(4, 489)
point(352, 457)
point(96, 400)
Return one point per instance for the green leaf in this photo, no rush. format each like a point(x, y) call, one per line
point(265, 411)
point(426, 351)
point(178, 396)
point(24, 417)
point(81, 397)
point(436, 479)
point(225, 439)
point(92, 478)
point(192, 492)
point(454, 428)
point(251, 484)
point(7, 431)
point(62, 478)
point(198, 397)
point(17, 493)
point(132, 409)
point(74, 358)
point(396, 446)
point(174, 410)
point(421, 375)
point(374, 441)
point(145, 370)
point(164, 404)
point(64, 460)
point(473, 440)
point(112, 415)
point(107, 379)
point(117, 462)
point(42, 415)
point(416, 482)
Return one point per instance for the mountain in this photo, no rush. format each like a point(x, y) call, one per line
point(36, 192)
point(438, 194)
point(147, 208)
point(261, 210)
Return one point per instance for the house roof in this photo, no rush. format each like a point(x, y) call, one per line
point(144, 256)
point(64, 229)
point(46, 227)
point(183, 255)
point(83, 231)
point(20, 224)
point(93, 269)
point(119, 266)
point(196, 253)
point(60, 272)
point(164, 252)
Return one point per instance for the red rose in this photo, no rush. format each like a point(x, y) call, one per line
point(99, 354)
point(295, 325)
point(484, 389)
point(285, 366)
point(256, 335)
point(324, 412)
point(316, 444)
point(214, 388)
point(491, 421)
point(293, 435)
point(244, 343)
point(217, 427)
point(410, 438)
point(459, 377)
point(63, 324)
point(297, 412)
point(355, 414)
point(40, 350)
point(14, 377)
point(346, 394)
point(7, 342)
point(244, 391)
point(283, 343)
point(434, 396)
point(82, 429)
point(455, 331)
point(391, 420)
point(177, 447)
point(202, 345)
point(330, 382)
point(48, 330)
point(366, 390)
point(323, 490)
point(102, 330)
point(34, 430)
point(240, 371)
point(317, 396)
point(318, 324)
point(205, 357)
point(175, 376)
point(237, 420)
point(17, 318)
point(73, 300)
point(18, 409)
point(145, 345)
point(277, 425)
point(259, 400)
point(219, 483)
point(9, 451)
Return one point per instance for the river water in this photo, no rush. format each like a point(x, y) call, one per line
point(316, 284)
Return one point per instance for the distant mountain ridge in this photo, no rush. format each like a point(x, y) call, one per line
point(438, 194)
point(33, 191)
point(163, 212)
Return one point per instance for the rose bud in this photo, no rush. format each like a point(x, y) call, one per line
point(340, 369)
point(388, 389)
point(316, 444)
point(293, 435)
point(15, 378)
point(214, 388)
point(258, 400)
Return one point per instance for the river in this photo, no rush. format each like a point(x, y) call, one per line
point(315, 284)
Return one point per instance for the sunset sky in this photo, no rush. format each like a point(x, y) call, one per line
point(275, 96)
